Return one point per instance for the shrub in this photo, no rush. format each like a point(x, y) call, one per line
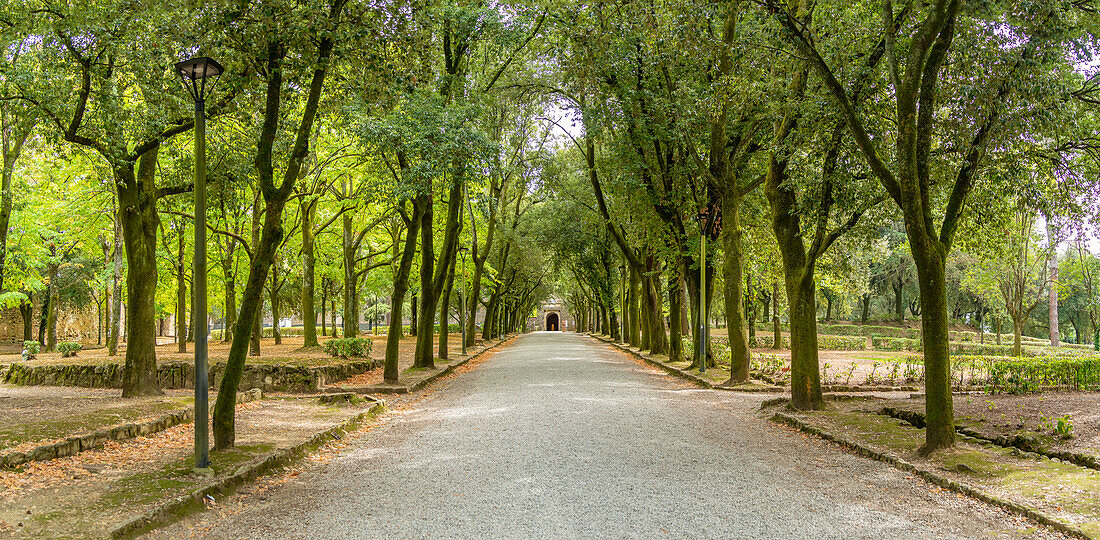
point(841, 343)
point(895, 344)
point(1009, 375)
point(69, 348)
point(766, 341)
point(347, 347)
point(31, 349)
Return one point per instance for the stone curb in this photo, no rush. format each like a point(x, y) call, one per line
point(698, 381)
point(931, 477)
point(695, 379)
point(405, 389)
point(1019, 442)
point(75, 445)
point(170, 511)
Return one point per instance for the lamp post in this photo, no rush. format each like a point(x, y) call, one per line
point(462, 298)
point(194, 73)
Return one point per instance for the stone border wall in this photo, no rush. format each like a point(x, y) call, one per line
point(176, 375)
point(74, 445)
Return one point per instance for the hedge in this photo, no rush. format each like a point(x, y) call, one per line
point(895, 344)
point(1008, 375)
point(347, 347)
point(841, 343)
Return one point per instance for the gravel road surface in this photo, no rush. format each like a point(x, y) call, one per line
point(558, 436)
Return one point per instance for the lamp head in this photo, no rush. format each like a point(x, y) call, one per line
point(195, 72)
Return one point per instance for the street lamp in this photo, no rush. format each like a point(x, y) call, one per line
point(462, 298)
point(194, 73)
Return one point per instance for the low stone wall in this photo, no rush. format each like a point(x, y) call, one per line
point(270, 378)
point(74, 445)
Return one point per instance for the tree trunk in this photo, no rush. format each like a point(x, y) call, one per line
point(351, 280)
point(137, 201)
point(866, 314)
point(658, 338)
point(899, 304)
point(181, 294)
point(324, 303)
point(26, 309)
point(473, 301)
point(777, 334)
point(397, 299)
point(733, 293)
point(675, 295)
point(43, 315)
point(251, 310)
point(490, 314)
point(51, 313)
point(423, 357)
point(275, 333)
point(115, 308)
point(230, 299)
point(1017, 334)
point(939, 409)
point(257, 331)
point(413, 305)
point(802, 310)
point(635, 325)
point(445, 310)
point(1053, 287)
point(309, 313)
point(433, 279)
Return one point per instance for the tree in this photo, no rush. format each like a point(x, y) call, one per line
point(914, 68)
point(317, 43)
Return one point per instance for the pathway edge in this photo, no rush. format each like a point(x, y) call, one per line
point(931, 477)
point(175, 509)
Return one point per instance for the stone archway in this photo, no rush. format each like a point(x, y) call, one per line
point(552, 322)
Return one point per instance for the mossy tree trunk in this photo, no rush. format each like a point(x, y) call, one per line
point(309, 273)
point(400, 287)
point(275, 197)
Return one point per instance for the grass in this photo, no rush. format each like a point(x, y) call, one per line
point(1059, 488)
point(148, 487)
point(19, 432)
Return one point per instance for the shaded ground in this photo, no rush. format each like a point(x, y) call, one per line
point(1033, 415)
point(1068, 492)
point(35, 415)
point(560, 436)
point(85, 495)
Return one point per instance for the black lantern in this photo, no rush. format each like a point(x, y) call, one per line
point(195, 72)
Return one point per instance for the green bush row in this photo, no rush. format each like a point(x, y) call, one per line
point(868, 330)
point(1008, 375)
point(895, 344)
point(347, 347)
point(841, 343)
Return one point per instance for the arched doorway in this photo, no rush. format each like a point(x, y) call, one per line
point(552, 322)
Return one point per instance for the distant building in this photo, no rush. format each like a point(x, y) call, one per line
point(552, 316)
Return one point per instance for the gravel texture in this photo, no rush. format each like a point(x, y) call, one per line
point(558, 436)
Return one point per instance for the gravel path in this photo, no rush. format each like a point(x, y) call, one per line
point(558, 436)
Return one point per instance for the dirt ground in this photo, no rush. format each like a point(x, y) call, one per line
point(1068, 492)
point(1034, 415)
point(31, 416)
point(83, 496)
point(34, 415)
